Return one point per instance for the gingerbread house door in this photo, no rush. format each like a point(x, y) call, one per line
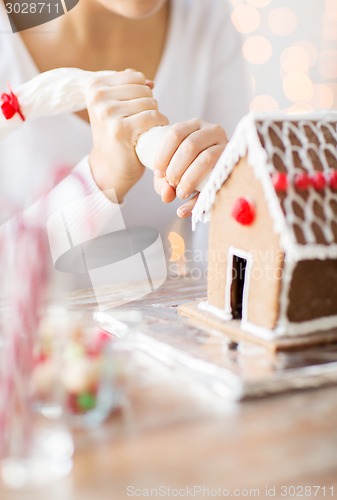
point(238, 270)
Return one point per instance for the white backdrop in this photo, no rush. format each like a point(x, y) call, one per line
point(290, 47)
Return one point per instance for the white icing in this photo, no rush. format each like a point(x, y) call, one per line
point(220, 313)
point(153, 137)
point(64, 90)
point(288, 329)
point(245, 141)
point(306, 224)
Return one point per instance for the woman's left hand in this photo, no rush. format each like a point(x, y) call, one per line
point(189, 152)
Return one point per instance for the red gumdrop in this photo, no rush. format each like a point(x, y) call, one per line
point(280, 182)
point(318, 181)
point(302, 181)
point(333, 180)
point(243, 211)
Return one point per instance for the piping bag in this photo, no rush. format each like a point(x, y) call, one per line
point(61, 91)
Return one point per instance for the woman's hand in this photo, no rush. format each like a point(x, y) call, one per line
point(189, 152)
point(120, 108)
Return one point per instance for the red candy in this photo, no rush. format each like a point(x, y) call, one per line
point(100, 340)
point(10, 106)
point(72, 404)
point(333, 180)
point(319, 181)
point(302, 181)
point(243, 211)
point(280, 182)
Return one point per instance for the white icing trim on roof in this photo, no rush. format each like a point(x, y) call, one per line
point(315, 251)
point(245, 141)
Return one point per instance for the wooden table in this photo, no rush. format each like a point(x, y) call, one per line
point(174, 433)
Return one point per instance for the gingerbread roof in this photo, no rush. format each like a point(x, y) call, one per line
point(295, 158)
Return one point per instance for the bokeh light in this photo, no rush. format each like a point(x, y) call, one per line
point(330, 5)
point(328, 64)
point(246, 18)
point(282, 21)
point(264, 103)
point(259, 3)
point(298, 87)
point(333, 88)
point(330, 26)
point(295, 59)
point(257, 50)
point(177, 246)
point(311, 50)
point(323, 97)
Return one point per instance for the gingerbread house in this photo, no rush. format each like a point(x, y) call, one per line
point(272, 205)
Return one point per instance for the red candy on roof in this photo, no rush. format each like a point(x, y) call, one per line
point(319, 181)
point(280, 182)
point(302, 181)
point(333, 180)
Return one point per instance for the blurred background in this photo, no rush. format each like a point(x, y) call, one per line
point(291, 51)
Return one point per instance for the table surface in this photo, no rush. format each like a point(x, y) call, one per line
point(174, 432)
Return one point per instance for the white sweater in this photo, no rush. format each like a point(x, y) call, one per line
point(200, 75)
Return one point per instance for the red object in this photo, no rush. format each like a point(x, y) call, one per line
point(10, 106)
point(319, 181)
point(99, 342)
point(302, 181)
point(333, 180)
point(243, 211)
point(280, 182)
point(72, 405)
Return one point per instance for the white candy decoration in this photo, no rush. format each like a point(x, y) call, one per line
point(63, 90)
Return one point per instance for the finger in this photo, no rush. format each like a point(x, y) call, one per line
point(186, 209)
point(188, 151)
point(121, 78)
point(150, 84)
point(158, 184)
point(198, 169)
point(143, 121)
point(124, 109)
point(167, 194)
point(174, 137)
point(125, 92)
point(165, 191)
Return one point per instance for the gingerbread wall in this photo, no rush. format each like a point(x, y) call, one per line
point(313, 290)
point(258, 239)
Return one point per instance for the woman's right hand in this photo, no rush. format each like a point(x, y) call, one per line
point(120, 107)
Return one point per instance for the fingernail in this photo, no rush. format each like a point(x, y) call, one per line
point(181, 194)
point(158, 174)
point(182, 211)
